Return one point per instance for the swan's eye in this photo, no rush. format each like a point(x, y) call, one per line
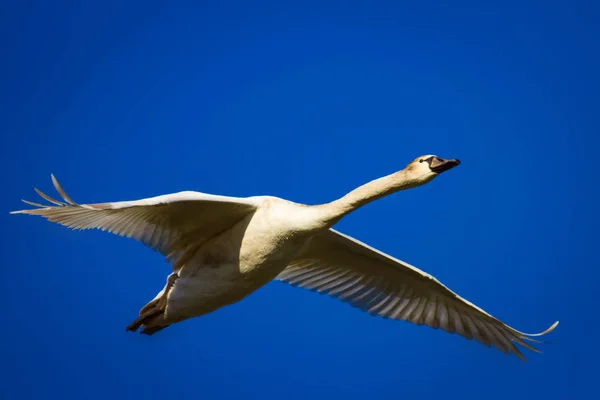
point(421, 160)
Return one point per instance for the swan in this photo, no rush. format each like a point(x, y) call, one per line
point(221, 249)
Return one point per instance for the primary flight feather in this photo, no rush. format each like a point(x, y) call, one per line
point(222, 248)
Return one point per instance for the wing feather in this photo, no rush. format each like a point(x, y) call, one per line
point(372, 281)
point(169, 223)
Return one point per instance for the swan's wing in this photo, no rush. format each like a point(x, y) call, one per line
point(169, 223)
point(372, 281)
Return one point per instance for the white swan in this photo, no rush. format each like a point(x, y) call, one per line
point(224, 248)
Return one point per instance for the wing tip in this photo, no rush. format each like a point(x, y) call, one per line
point(27, 211)
point(67, 200)
point(530, 335)
point(61, 191)
point(548, 330)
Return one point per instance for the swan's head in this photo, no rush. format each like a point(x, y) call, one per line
point(423, 169)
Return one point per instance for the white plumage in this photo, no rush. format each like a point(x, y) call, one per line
point(223, 248)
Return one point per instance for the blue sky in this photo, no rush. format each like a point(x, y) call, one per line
point(125, 100)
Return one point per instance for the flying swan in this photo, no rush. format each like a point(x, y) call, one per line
point(221, 249)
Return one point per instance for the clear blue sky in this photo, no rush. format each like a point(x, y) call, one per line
point(126, 100)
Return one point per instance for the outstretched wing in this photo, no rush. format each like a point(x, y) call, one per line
point(372, 281)
point(168, 224)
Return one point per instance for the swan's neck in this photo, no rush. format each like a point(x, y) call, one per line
point(330, 213)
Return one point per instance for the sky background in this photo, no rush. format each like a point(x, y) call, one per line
point(126, 100)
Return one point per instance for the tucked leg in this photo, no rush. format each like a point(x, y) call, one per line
point(152, 314)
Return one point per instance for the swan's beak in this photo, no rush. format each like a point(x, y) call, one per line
point(439, 165)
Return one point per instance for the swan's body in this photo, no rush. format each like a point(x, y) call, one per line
point(224, 248)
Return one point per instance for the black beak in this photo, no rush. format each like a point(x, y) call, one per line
point(439, 165)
